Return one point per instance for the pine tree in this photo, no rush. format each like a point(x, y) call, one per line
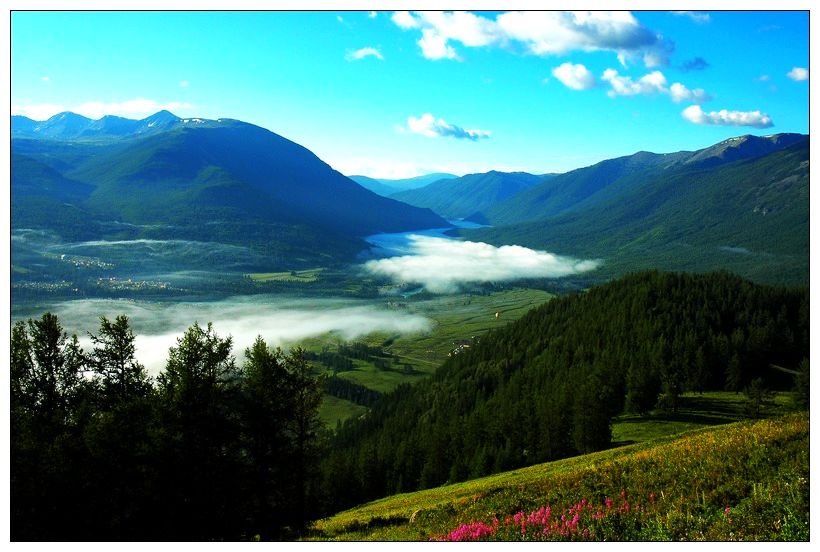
point(114, 362)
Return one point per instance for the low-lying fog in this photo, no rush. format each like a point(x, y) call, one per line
point(442, 264)
point(278, 320)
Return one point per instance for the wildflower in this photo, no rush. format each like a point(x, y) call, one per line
point(471, 532)
point(608, 503)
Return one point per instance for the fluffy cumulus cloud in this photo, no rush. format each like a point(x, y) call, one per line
point(651, 83)
point(798, 74)
point(429, 126)
point(443, 265)
point(540, 33)
point(577, 76)
point(680, 93)
point(404, 20)
point(362, 53)
point(724, 117)
point(137, 108)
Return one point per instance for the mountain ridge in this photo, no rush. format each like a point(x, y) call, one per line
point(224, 179)
point(465, 196)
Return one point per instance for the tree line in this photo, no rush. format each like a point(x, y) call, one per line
point(548, 385)
point(209, 450)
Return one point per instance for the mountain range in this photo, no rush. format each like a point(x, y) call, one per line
point(741, 205)
point(221, 180)
point(388, 186)
point(471, 194)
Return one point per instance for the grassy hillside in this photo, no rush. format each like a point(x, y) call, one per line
point(743, 481)
point(549, 385)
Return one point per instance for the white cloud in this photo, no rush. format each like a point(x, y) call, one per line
point(441, 265)
point(540, 33)
point(576, 76)
point(680, 93)
point(404, 20)
point(763, 78)
point(651, 83)
point(279, 321)
point(184, 84)
point(363, 53)
point(429, 126)
point(756, 119)
point(798, 74)
point(45, 78)
point(697, 17)
point(136, 108)
point(372, 15)
point(434, 46)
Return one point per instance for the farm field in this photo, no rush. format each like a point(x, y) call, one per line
point(303, 276)
point(410, 358)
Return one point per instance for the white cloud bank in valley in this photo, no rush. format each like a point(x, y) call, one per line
point(724, 117)
point(279, 322)
point(441, 265)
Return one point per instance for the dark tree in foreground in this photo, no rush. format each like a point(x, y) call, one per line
point(758, 397)
point(46, 369)
point(113, 360)
point(211, 452)
point(801, 384)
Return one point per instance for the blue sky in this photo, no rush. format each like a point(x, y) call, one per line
point(396, 95)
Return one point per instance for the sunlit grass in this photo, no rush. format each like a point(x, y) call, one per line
point(684, 485)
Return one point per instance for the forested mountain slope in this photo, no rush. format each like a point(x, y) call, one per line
point(472, 193)
point(750, 216)
point(548, 385)
point(170, 178)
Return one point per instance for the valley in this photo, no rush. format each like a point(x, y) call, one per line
point(493, 322)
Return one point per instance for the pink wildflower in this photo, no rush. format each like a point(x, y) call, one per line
point(471, 532)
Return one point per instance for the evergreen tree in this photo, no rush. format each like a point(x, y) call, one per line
point(200, 438)
point(266, 400)
point(114, 363)
point(801, 384)
point(304, 427)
